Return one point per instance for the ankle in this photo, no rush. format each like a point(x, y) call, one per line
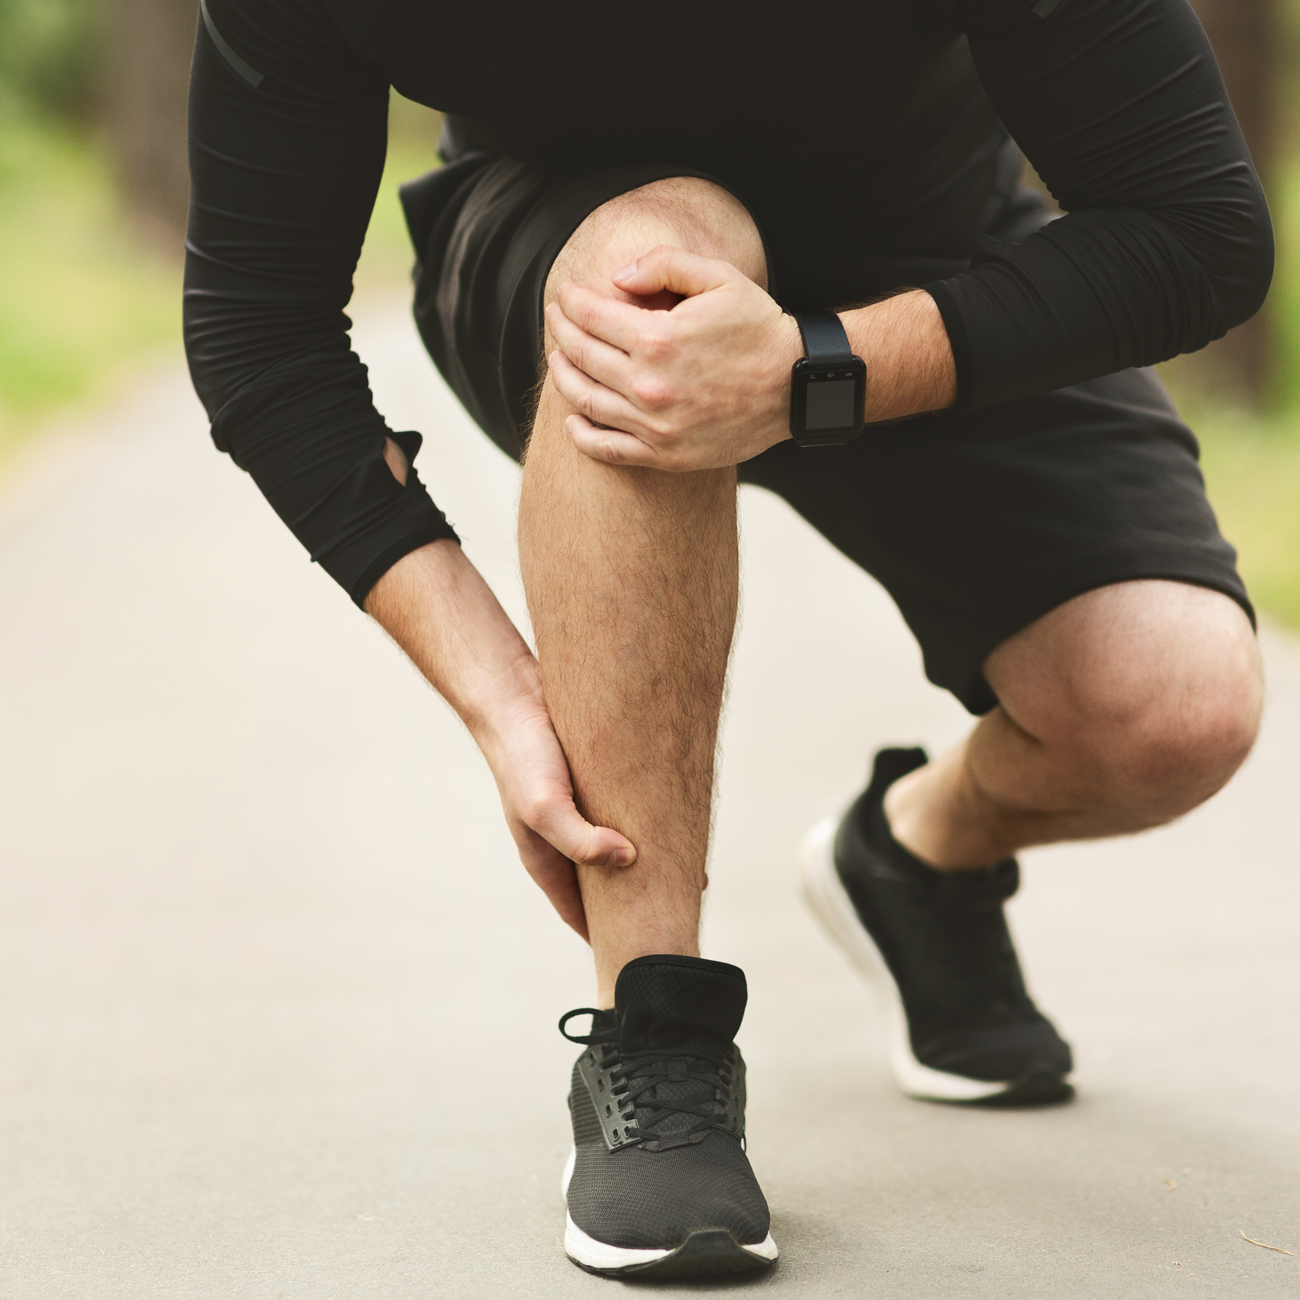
point(938, 822)
point(610, 963)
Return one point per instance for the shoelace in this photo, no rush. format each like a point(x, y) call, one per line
point(641, 1073)
point(644, 1073)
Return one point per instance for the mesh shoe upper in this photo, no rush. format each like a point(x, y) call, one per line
point(682, 1167)
point(944, 938)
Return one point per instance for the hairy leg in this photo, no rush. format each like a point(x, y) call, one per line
point(631, 578)
point(1120, 710)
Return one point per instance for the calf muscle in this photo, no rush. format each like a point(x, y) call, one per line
point(631, 578)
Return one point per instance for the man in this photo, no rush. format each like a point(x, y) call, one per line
point(657, 233)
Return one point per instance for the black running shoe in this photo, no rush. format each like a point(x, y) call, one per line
point(658, 1184)
point(935, 948)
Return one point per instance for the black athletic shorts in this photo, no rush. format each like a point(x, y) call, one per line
point(976, 524)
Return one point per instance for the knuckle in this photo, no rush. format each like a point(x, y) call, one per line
point(652, 394)
point(537, 811)
point(654, 345)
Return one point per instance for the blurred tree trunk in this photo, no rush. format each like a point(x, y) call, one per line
point(1245, 37)
point(151, 46)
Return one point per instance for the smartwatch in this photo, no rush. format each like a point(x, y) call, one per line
point(828, 386)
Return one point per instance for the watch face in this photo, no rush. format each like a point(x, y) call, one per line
point(830, 402)
point(826, 401)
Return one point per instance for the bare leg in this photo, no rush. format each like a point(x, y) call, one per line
point(1121, 710)
point(631, 577)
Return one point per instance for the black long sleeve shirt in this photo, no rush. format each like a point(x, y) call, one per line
point(861, 128)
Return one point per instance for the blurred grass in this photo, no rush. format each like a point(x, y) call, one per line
point(77, 297)
point(83, 302)
point(1252, 471)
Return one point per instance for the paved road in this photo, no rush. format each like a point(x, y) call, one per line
point(277, 1007)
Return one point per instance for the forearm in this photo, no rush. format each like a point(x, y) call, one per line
point(435, 604)
point(910, 367)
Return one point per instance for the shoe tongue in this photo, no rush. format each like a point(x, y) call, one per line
point(674, 1004)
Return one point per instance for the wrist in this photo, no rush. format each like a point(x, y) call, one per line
point(910, 365)
point(501, 703)
point(785, 349)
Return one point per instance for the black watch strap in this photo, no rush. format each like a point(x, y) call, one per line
point(828, 385)
point(824, 337)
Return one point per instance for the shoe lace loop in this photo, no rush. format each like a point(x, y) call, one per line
point(638, 1080)
point(599, 1033)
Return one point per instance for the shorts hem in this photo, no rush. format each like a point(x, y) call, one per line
point(1090, 573)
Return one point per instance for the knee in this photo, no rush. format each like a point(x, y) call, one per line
point(1171, 750)
point(1164, 746)
point(683, 212)
point(1159, 720)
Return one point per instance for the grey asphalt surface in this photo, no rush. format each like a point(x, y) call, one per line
point(277, 1005)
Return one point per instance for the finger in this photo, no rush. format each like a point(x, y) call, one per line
point(562, 826)
point(599, 404)
point(673, 269)
point(620, 324)
point(557, 879)
point(609, 365)
point(612, 446)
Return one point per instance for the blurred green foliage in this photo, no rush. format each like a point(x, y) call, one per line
point(51, 54)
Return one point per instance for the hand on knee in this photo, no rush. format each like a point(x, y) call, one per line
point(660, 335)
point(703, 386)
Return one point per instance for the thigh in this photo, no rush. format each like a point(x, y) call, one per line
point(980, 525)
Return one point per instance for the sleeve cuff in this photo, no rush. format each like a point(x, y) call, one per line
point(368, 521)
point(961, 353)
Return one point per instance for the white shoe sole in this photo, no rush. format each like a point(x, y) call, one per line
point(604, 1258)
point(825, 894)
